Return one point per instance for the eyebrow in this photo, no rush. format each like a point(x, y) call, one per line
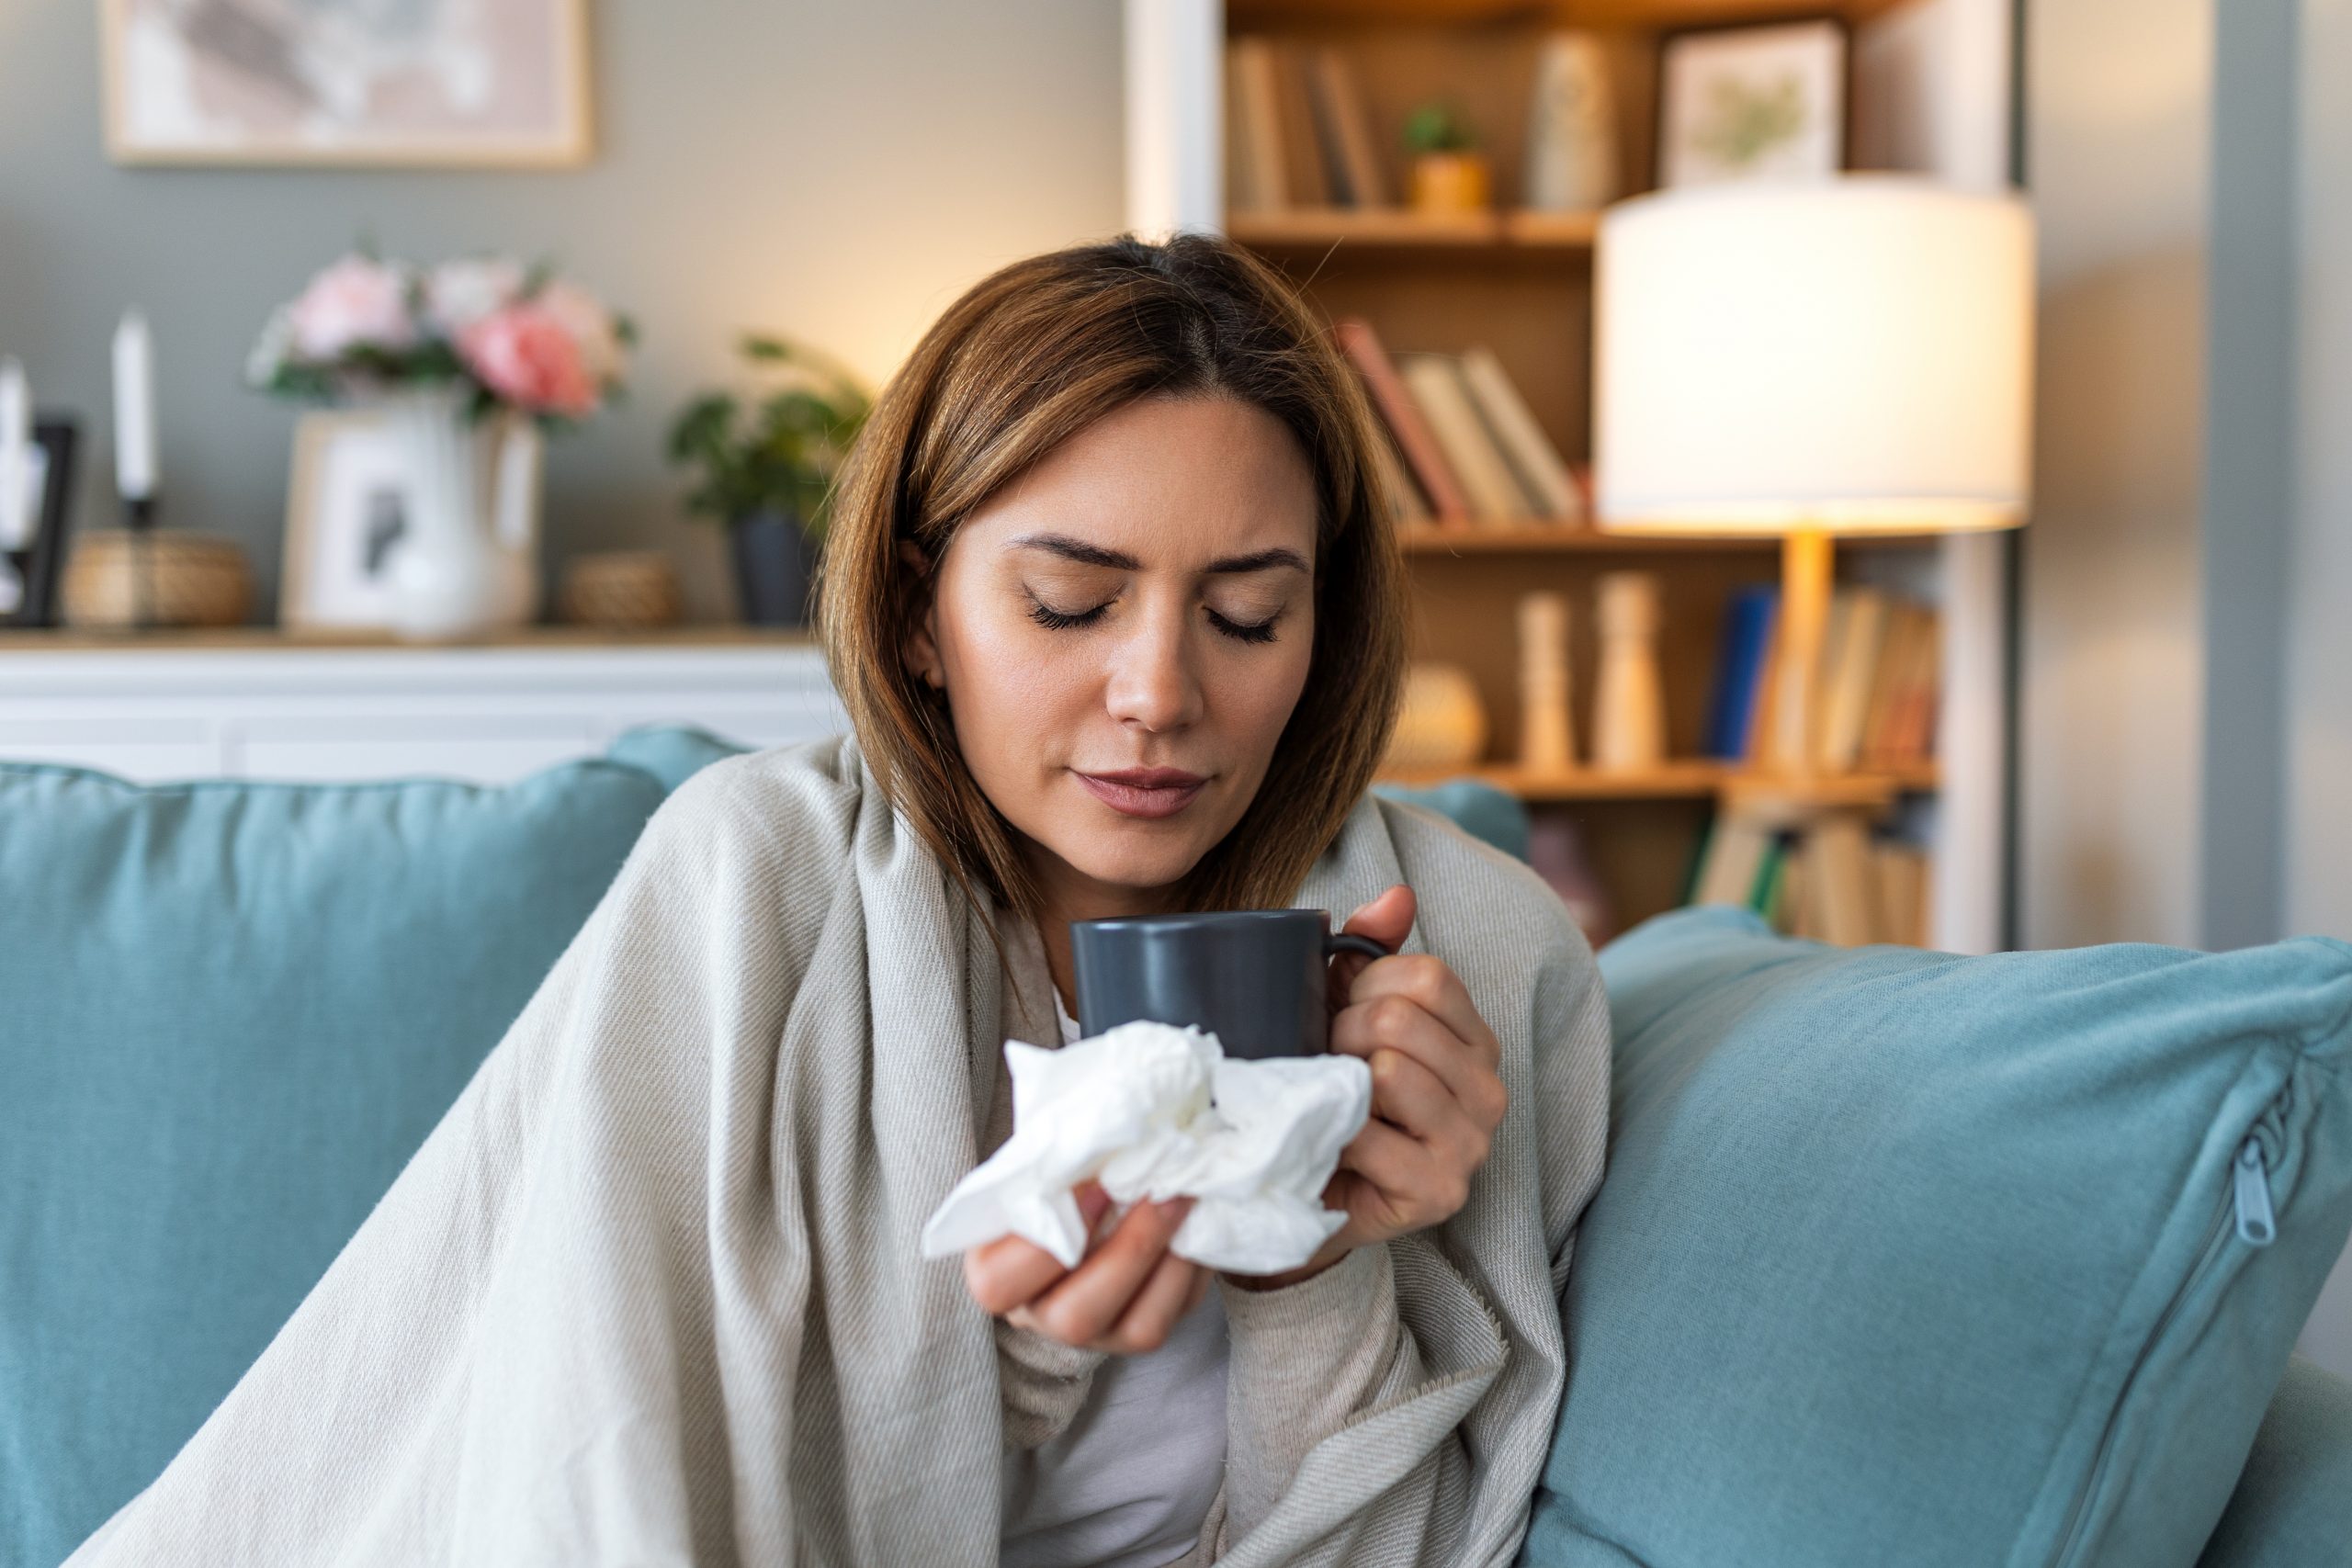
point(1119, 560)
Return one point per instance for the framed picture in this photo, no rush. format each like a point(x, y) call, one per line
point(1755, 102)
point(30, 565)
point(422, 82)
point(348, 512)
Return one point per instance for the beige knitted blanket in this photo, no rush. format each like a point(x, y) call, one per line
point(650, 1293)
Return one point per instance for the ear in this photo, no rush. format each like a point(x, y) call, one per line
point(922, 651)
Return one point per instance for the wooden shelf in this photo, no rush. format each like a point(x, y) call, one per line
point(1560, 536)
point(1401, 229)
point(1245, 15)
point(1695, 778)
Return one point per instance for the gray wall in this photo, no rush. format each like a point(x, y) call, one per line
point(2317, 762)
point(834, 170)
point(2118, 124)
point(2188, 655)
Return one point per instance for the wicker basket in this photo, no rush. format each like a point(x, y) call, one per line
point(620, 589)
point(114, 580)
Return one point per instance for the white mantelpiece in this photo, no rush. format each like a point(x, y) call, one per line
point(256, 707)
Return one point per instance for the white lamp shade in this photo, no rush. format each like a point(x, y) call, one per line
point(1853, 355)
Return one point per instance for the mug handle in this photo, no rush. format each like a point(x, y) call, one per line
point(1336, 942)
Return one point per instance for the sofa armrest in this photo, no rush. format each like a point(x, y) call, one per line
point(2293, 1502)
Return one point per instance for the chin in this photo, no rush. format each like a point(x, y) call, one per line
point(1141, 866)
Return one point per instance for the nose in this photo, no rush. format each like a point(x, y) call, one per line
point(1152, 683)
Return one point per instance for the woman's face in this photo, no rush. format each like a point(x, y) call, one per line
point(1122, 635)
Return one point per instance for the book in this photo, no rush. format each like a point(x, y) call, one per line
point(1739, 668)
point(1256, 180)
point(1435, 381)
point(1894, 663)
point(1842, 695)
point(1405, 503)
point(1841, 884)
point(1304, 180)
point(1423, 455)
point(1732, 868)
point(1536, 462)
point(1356, 168)
point(1901, 871)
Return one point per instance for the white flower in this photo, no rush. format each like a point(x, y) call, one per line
point(270, 349)
point(353, 303)
point(461, 293)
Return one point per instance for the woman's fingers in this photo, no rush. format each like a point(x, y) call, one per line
point(1387, 919)
point(1165, 1297)
point(1391, 1023)
point(1084, 1304)
point(1427, 982)
point(1010, 1272)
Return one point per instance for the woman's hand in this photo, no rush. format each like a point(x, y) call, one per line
point(1437, 1091)
point(1124, 1296)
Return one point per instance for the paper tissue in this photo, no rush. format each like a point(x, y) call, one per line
point(1153, 1111)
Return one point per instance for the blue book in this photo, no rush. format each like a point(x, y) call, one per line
point(1740, 665)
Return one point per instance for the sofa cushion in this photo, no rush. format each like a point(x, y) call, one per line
point(1903, 1256)
point(229, 1013)
point(2293, 1505)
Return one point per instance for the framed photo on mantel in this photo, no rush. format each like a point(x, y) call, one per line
point(425, 82)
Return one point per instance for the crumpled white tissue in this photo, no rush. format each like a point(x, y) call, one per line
point(1153, 1111)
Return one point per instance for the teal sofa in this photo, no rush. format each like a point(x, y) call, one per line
point(230, 1011)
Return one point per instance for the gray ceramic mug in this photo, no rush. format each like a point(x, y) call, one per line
point(1255, 978)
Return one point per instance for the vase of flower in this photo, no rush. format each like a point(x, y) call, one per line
point(465, 563)
point(468, 363)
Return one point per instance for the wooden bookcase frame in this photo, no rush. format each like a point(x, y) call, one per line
point(1522, 283)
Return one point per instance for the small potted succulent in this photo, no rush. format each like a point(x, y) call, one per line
point(1450, 175)
point(763, 466)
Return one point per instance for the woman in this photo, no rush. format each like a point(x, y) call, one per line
point(1116, 614)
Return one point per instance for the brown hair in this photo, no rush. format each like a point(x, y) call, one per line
point(1031, 355)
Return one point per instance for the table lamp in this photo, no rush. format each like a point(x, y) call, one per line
point(1847, 356)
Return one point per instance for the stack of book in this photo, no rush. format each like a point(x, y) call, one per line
point(1297, 133)
point(1873, 707)
point(1831, 881)
point(1464, 448)
point(1873, 710)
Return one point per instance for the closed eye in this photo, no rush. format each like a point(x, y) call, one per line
point(1246, 631)
point(1059, 620)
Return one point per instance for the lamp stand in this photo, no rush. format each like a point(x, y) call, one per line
point(1804, 612)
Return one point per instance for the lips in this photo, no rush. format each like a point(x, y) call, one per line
point(1144, 792)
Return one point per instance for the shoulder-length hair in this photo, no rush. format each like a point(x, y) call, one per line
point(1031, 355)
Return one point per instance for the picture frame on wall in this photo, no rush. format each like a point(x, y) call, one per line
point(347, 500)
point(29, 566)
point(424, 84)
point(1748, 102)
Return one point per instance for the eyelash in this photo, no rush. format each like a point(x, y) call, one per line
point(1056, 620)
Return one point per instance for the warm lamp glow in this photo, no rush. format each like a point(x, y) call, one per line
point(1847, 356)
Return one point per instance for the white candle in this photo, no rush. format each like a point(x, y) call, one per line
point(16, 437)
point(135, 409)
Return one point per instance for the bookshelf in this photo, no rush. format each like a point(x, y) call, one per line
point(1930, 84)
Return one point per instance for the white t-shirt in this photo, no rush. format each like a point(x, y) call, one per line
point(1129, 1482)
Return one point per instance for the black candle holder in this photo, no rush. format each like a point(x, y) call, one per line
point(138, 515)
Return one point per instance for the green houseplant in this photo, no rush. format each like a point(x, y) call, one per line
point(763, 466)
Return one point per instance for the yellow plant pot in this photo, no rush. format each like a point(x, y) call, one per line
point(1451, 182)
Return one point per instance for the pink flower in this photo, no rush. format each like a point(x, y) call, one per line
point(353, 303)
point(525, 354)
point(591, 326)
